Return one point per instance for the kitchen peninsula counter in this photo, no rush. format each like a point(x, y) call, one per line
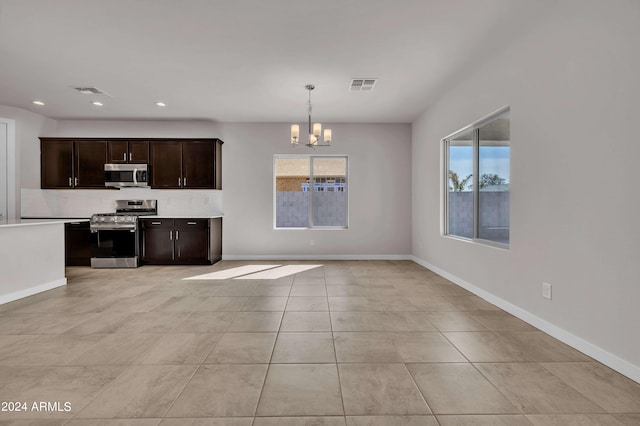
point(31, 256)
point(191, 216)
point(38, 221)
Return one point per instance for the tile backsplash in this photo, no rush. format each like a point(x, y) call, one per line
point(78, 203)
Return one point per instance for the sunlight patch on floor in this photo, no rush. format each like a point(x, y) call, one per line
point(232, 272)
point(275, 273)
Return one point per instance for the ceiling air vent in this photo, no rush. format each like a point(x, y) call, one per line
point(90, 91)
point(362, 84)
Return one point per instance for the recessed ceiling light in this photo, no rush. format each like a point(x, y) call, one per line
point(161, 104)
point(39, 103)
point(96, 103)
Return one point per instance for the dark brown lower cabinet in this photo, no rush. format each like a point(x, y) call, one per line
point(192, 241)
point(77, 244)
point(157, 241)
point(181, 241)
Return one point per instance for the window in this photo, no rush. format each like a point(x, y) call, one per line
point(310, 191)
point(477, 167)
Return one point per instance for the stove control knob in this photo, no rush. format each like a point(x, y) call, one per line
point(101, 219)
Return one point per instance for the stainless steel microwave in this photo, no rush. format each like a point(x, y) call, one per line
point(125, 175)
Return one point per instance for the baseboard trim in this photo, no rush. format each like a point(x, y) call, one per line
point(612, 361)
point(318, 257)
point(10, 297)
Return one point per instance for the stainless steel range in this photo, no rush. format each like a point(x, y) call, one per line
point(118, 239)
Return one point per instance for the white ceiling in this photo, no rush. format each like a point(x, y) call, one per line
point(246, 60)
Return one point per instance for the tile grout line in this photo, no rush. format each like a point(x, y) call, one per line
point(335, 353)
point(264, 381)
point(569, 385)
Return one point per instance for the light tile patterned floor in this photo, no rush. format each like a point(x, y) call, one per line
point(353, 343)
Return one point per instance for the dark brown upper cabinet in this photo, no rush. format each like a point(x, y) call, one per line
point(173, 163)
point(56, 164)
point(72, 164)
point(186, 164)
point(90, 157)
point(166, 164)
point(135, 152)
point(198, 164)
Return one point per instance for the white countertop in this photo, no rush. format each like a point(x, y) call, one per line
point(165, 216)
point(7, 223)
point(49, 221)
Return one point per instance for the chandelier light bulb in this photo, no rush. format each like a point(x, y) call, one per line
point(327, 135)
point(295, 133)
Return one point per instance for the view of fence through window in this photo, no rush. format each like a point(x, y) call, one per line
point(478, 168)
point(311, 191)
point(460, 184)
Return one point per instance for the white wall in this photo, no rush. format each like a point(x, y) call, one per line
point(572, 83)
point(379, 192)
point(25, 153)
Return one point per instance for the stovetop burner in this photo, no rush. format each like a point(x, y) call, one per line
point(125, 216)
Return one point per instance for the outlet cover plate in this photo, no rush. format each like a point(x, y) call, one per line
point(546, 290)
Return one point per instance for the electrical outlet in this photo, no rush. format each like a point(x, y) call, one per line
point(546, 290)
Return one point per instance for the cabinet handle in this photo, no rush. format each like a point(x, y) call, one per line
point(156, 223)
point(70, 182)
point(184, 181)
point(177, 235)
point(130, 156)
point(179, 182)
point(124, 156)
point(170, 235)
point(76, 181)
point(192, 223)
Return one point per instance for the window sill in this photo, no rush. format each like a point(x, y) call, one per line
point(315, 228)
point(479, 242)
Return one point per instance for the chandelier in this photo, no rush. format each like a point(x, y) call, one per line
point(314, 131)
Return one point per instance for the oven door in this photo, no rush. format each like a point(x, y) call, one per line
point(115, 248)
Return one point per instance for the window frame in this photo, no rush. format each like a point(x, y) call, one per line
point(311, 225)
point(475, 128)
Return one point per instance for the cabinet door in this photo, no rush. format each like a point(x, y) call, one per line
point(157, 246)
point(215, 240)
point(166, 164)
point(218, 169)
point(192, 242)
point(90, 157)
point(198, 159)
point(139, 152)
point(118, 152)
point(56, 164)
point(78, 240)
